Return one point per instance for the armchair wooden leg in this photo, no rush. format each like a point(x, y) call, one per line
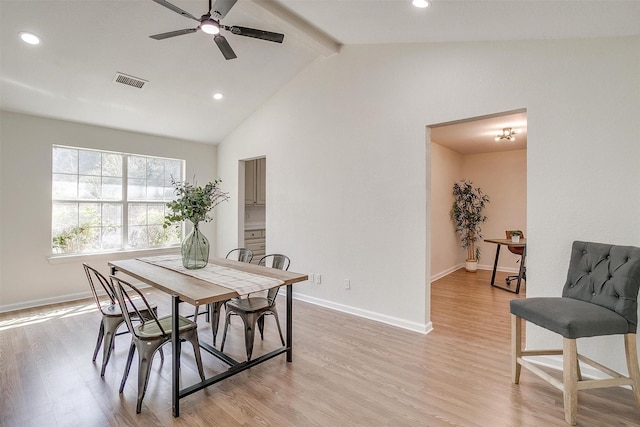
point(516, 347)
point(631, 351)
point(570, 379)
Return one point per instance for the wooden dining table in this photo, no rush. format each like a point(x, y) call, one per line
point(199, 291)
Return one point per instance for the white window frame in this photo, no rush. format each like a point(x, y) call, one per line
point(124, 201)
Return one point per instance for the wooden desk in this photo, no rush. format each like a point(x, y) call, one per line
point(195, 291)
point(499, 242)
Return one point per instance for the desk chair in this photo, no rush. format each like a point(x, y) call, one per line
point(112, 316)
point(253, 308)
point(600, 297)
point(150, 335)
point(516, 251)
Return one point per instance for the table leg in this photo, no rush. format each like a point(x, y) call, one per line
point(289, 323)
point(522, 267)
point(495, 265)
point(175, 360)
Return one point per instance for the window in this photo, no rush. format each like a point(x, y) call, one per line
point(106, 202)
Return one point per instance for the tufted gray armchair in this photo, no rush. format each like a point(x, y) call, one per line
point(600, 297)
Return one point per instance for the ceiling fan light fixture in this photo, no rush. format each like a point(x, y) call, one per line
point(210, 26)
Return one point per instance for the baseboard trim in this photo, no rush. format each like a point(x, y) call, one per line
point(480, 267)
point(56, 300)
point(389, 320)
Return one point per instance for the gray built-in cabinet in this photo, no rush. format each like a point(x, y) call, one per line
point(255, 186)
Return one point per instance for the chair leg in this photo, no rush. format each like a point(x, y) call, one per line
point(631, 351)
point(132, 350)
point(100, 336)
point(250, 321)
point(193, 339)
point(516, 347)
point(261, 326)
point(570, 380)
point(145, 359)
point(226, 326)
point(277, 324)
point(111, 325)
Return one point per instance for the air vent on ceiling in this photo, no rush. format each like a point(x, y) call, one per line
point(130, 80)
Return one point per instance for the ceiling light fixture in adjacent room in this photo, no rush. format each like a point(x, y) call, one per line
point(218, 96)
point(508, 134)
point(421, 3)
point(29, 38)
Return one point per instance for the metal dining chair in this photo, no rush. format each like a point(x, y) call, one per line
point(112, 316)
point(238, 254)
point(148, 336)
point(253, 308)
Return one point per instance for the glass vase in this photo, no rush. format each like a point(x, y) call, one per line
point(195, 249)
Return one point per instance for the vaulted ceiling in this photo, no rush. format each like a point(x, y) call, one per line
point(70, 74)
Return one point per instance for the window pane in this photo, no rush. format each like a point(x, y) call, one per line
point(137, 189)
point(173, 168)
point(64, 215)
point(111, 215)
point(137, 214)
point(138, 236)
point(65, 160)
point(111, 164)
point(112, 238)
point(112, 188)
point(90, 215)
point(155, 190)
point(90, 163)
point(89, 187)
point(155, 169)
point(64, 187)
point(156, 214)
point(136, 167)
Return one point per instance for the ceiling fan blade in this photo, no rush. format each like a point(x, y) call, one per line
point(257, 34)
point(174, 33)
point(221, 8)
point(224, 47)
point(176, 9)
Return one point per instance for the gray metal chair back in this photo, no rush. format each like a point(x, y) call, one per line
point(112, 316)
point(278, 261)
point(240, 254)
point(148, 336)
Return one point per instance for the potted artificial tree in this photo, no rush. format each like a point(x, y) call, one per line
point(466, 213)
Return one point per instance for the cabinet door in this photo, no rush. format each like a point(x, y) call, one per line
point(261, 177)
point(250, 182)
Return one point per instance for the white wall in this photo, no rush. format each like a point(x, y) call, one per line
point(27, 277)
point(346, 183)
point(446, 253)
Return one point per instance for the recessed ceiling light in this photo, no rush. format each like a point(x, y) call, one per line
point(29, 38)
point(421, 3)
point(218, 96)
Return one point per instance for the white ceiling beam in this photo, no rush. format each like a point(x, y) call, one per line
point(292, 25)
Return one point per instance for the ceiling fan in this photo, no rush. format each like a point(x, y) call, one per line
point(210, 24)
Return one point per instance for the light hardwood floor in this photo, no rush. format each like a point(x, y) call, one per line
point(347, 371)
